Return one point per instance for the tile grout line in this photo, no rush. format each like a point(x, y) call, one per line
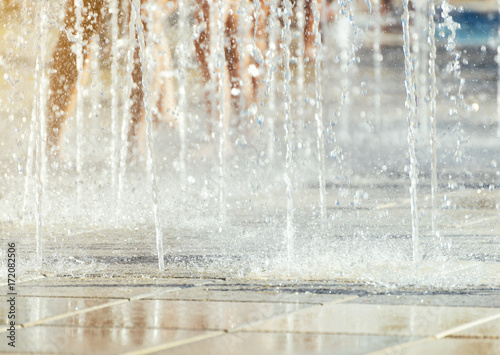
point(437, 336)
point(195, 339)
point(177, 343)
point(481, 337)
point(245, 327)
point(466, 326)
point(151, 297)
point(18, 281)
point(73, 313)
point(90, 309)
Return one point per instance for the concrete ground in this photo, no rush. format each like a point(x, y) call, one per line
point(133, 315)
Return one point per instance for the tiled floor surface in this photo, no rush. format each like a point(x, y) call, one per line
point(61, 315)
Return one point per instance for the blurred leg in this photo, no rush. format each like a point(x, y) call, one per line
point(202, 44)
point(231, 51)
point(63, 76)
point(261, 43)
point(163, 84)
point(309, 37)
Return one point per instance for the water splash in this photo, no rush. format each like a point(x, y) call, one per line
point(262, 223)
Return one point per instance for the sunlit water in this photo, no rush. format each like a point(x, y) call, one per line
point(268, 186)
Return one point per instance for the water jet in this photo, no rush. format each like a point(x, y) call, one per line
point(320, 183)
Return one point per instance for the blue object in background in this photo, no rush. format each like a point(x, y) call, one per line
point(477, 28)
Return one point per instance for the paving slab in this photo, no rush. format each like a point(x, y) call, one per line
point(31, 309)
point(286, 343)
point(84, 340)
point(97, 287)
point(252, 293)
point(364, 319)
point(188, 315)
point(484, 299)
point(485, 330)
point(452, 347)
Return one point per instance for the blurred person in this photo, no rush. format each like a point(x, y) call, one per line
point(64, 75)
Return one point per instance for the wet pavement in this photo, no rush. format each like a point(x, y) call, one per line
point(156, 315)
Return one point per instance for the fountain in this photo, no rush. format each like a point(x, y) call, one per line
point(318, 179)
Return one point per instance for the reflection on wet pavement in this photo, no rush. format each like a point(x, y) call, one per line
point(59, 315)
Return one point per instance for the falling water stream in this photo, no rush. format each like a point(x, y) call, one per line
point(183, 54)
point(411, 105)
point(498, 82)
point(288, 125)
point(345, 40)
point(146, 85)
point(377, 60)
point(271, 82)
point(114, 161)
point(432, 112)
point(318, 116)
point(128, 104)
point(223, 98)
point(420, 49)
point(39, 118)
point(454, 91)
point(94, 97)
point(79, 97)
point(300, 56)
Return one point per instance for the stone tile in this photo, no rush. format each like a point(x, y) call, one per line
point(286, 343)
point(449, 346)
point(480, 299)
point(75, 340)
point(30, 309)
point(488, 329)
point(260, 317)
point(101, 287)
point(249, 294)
point(193, 315)
point(375, 319)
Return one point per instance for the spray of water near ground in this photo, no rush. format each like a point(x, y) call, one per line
point(363, 230)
